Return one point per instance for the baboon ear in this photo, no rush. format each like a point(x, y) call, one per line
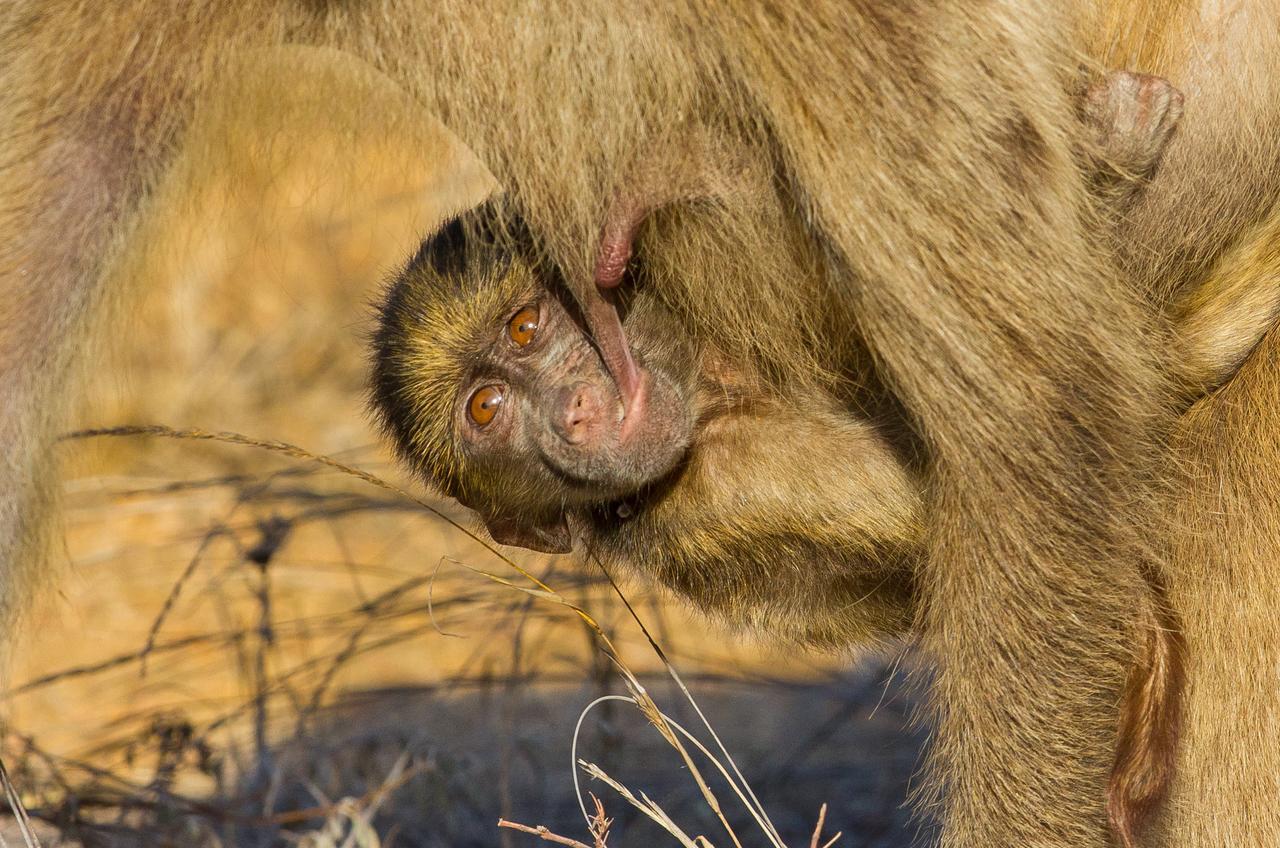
point(552, 537)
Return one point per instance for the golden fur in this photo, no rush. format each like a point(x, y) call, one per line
point(791, 515)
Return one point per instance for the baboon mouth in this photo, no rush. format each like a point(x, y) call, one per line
point(635, 409)
point(580, 484)
point(605, 326)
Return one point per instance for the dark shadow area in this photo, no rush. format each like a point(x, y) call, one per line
point(848, 742)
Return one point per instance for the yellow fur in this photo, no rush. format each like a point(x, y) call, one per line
point(1221, 321)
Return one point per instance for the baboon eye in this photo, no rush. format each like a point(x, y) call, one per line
point(484, 404)
point(524, 326)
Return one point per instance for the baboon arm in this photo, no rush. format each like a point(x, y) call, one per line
point(1222, 321)
point(811, 503)
point(956, 214)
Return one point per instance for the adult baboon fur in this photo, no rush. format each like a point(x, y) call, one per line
point(792, 514)
point(740, 486)
point(924, 155)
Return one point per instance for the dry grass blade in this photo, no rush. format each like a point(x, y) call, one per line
point(648, 806)
point(19, 811)
point(600, 823)
point(740, 785)
point(670, 731)
point(171, 599)
point(665, 722)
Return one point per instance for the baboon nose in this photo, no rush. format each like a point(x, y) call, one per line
point(579, 407)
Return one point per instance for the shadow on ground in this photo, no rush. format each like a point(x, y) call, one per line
point(847, 741)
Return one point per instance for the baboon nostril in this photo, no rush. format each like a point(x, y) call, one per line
point(579, 406)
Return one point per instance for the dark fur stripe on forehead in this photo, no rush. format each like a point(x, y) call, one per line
point(435, 321)
point(446, 251)
point(489, 232)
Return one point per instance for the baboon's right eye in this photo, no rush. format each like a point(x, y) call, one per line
point(524, 326)
point(484, 404)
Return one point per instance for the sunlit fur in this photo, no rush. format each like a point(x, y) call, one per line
point(440, 312)
point(1225, 588)
point(788, 516)
point(922, 156)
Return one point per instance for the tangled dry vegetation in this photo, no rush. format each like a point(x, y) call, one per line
point(252, 648)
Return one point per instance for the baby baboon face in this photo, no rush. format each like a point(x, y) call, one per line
point(490, 386)
point(539, 403)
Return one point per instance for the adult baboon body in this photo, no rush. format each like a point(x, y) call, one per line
point(1193, 240)
point(791, 513)
point(924, 157)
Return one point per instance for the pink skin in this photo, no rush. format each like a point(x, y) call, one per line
point(605, 328)
point(601, 313)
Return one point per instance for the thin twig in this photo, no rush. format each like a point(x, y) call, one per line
point(175, 590)
point(817, 830)
point(542, 832)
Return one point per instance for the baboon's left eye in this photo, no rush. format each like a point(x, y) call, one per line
point(524, 326)
point(484, 404)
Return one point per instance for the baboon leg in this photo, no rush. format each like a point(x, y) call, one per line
point(73, 154)
point(64, 189)
point(1226, 588)
point(78, 185)
point(1021, 360)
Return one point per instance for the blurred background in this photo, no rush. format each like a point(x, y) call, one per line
point(246, 648)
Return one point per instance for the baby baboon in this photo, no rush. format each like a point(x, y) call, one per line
point(787, 513)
